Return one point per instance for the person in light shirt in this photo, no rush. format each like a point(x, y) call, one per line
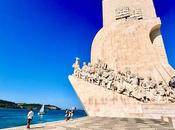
point(29, 118)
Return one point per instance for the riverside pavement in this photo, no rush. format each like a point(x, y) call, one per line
point(101, 123)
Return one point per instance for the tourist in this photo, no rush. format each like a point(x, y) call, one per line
point(71, 114)
point(67, 115)
point(29, 118)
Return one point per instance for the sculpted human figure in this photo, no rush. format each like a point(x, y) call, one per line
point(172, 82)
point(147, 82)
point(83, 75)
point(137, 90)
point(127, 87)
point(105, 74)
point(104, 66)
point(152, 84)
point(157, 92)
point(135, 80)
point(134, 87)
point(115, 85)
point(110, 79)
point(161, 90)
point(103, 83)
point(100, 72)
point(91, 73)
point(77, 63)
point(96, 79)
point(121, 87)
point(100, 80)
point(100, 76)
point(84, 72)
point(89, 69)
point(128, 76)
point(109, 84)
point(99, 64)
point(76, 66)
point(90, 78)
point(137, 94)
point(152, 95)
point(85, 67)
point(145, 88)
point(172, 93)
point(111, 76)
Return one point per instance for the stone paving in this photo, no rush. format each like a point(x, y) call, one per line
point(102, 123)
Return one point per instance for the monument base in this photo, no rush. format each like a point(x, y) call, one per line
point(98, 101)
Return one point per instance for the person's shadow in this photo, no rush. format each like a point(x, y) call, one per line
point(41, 127)
point(37, 127)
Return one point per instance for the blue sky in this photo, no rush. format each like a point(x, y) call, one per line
point(39, 40)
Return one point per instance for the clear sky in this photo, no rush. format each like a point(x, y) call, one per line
point(39, 40)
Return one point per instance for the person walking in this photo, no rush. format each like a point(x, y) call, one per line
point(67, 115)
point(29, 118)
point(71, 114)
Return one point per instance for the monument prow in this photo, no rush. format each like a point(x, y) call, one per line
point(98, 101)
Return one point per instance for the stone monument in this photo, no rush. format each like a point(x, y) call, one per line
point(129, 74)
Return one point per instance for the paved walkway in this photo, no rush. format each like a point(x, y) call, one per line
point(102, 123)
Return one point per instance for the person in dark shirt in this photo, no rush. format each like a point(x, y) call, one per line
point(67, 115)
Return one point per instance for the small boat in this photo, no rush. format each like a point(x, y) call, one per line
point(41, 112)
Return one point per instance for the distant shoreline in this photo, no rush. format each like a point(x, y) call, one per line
point(35, 106)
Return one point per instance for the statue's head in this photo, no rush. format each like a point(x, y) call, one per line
point(160, 82)
point(84, 63)
point(98, 61)
point(77, 58)
point(128, 72)
point(149, 78)
point(89, 64)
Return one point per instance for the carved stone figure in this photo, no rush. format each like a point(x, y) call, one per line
point(152, 95)
point(172, 82)
point(115, 85)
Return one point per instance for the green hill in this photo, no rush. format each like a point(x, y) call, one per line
point(8, 104)
point(13, 105)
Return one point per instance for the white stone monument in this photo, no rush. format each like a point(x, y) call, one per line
point(130, 38)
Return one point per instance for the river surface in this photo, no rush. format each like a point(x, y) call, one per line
point(17, 117)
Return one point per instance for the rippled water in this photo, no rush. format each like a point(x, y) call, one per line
point(12, 117)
